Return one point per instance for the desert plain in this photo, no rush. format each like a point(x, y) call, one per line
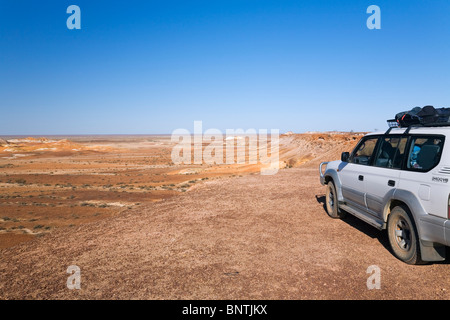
point(141, 227)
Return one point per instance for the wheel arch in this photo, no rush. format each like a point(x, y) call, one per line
point(332, 176)
point(392, 203)
point(430, 250)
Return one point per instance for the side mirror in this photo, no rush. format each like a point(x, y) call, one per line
point(345, 156)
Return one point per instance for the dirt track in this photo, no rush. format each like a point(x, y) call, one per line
point(252, 237)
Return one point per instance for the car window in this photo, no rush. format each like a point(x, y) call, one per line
point(424, 153)
point(364, 151)
point(391, 152)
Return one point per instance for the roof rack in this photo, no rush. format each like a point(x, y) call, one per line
point(427, 125)
point(436, 124)
point(409, 128)
point(394, 124)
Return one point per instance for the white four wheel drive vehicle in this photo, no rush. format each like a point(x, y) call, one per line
point(398, 180)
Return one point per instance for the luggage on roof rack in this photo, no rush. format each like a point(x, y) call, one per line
point(426, 116)
point(407, 118)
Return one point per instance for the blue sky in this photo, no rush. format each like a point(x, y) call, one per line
point(148, 67)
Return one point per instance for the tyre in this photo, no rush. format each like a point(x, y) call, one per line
point(331, 202)
point(403, 236)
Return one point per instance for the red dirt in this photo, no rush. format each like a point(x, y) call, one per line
point(249, 237)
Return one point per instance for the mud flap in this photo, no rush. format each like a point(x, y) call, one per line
point(431, 251)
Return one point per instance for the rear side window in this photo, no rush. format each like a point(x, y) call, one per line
point(364, 151)
point(424, 153)
point(391, 152)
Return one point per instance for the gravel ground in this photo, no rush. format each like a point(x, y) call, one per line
point(251, 237)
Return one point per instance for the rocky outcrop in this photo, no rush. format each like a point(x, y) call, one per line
point(3, 142)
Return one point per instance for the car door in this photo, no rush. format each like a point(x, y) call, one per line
point(424, 177)
point(384, 174)
point(352, 173)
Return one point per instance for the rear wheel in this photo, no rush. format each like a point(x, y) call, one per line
point(332, 203)
point(403, 236)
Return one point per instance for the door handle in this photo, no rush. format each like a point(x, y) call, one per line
point(361, 178)
point(391, 183)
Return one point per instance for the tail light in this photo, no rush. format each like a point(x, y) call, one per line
point(448, 207)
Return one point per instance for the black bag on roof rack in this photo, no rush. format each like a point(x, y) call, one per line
point(407, 118)
point(443, 115)
point(427, 115)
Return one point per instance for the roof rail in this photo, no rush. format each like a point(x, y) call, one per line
point(436, 124)
point(417, 125)
point(410, 127)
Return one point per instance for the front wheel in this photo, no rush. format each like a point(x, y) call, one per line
point(403, 236)
point(331, 202)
